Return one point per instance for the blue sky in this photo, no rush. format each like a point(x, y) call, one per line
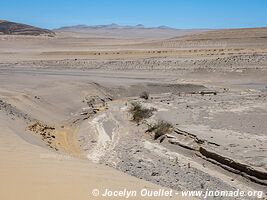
point(174, 13)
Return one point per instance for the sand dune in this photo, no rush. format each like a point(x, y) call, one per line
point(31, 172)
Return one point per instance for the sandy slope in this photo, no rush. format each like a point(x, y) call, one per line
point(31, 172)
point(28, 169)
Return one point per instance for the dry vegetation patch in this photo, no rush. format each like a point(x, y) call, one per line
point(139, 112)
point(144, 95)
point(160, 128)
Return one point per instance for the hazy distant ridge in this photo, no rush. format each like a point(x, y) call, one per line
point(126, 31)
point(111, 26)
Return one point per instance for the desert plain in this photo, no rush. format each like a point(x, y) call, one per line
point(67, 123)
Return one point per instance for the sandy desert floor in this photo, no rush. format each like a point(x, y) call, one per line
point(66, 127)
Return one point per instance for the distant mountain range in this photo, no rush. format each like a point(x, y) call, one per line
point(13, 28)
point(110, 26)
point(105, 31)
point(120, 31)
point(138, 31)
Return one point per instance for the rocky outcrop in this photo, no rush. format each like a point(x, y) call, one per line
point(241, 167)
point(12, 28)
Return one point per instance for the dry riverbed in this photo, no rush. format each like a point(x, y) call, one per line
point(85, 114)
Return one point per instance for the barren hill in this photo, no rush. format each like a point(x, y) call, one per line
point(224, 37)
point(12, 28)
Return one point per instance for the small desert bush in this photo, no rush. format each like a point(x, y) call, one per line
point(160, 128)
point(139, 112)
point(144, 95)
